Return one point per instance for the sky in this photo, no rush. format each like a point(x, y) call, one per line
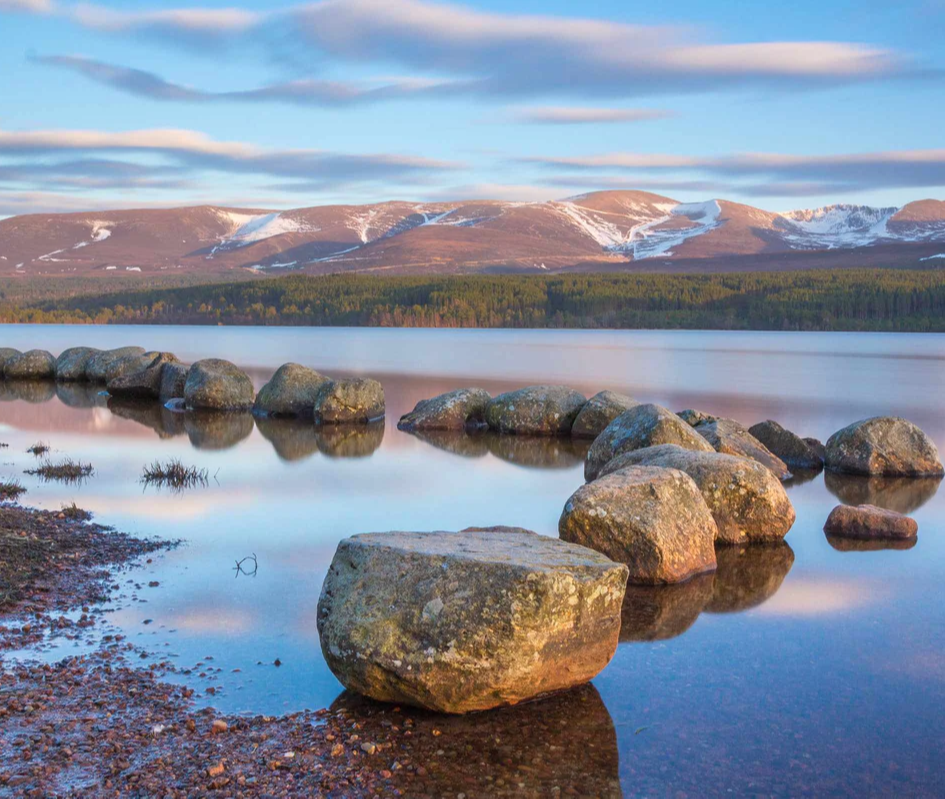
point(282, 105)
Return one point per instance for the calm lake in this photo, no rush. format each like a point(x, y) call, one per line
point(802, 670)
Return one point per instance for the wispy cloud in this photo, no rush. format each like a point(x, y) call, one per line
point(28, 6)
point(581, 115)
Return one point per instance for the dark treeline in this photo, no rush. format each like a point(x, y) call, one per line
point(867, 299)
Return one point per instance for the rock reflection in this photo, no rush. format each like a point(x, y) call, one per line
point(81, 395)
point(856, 545)
point(801, 476)
point(349, 440)
point(901, 494)
point(32, 391)
point(658, 612)
point(561, 745)
point(466, 445)
point(748, 575)
point(538, 452)
point(149, 414)
point(292, 439)
point(216, 429)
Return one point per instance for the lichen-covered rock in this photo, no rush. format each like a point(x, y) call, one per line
point(455, 410)
point(867, 522)
point(72, 363)
point(660, 612)
point(730, 438)
point(6, 353)
point(292, 391)
point(355, 400)
point(901, 494)
point(747, 501)
point(30, 365)
point(817, 447)
point(641, 426)
point(599, 411)
point(139, 377)
point(535, 411)
point(748, 575)
point(458, 622)
point(884, 445)
point(215, 384)
point(693, 417)
point(349, 440)
point(96, 368)
point(795, 451)
point(653, 519)
point(173, 380)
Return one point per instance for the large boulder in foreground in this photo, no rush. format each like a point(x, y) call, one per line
point(291, 391)
point(599, 411)
point(30, 365)
point(98, 364)
point(653, 519)
point(730, 438)
point(72, 363)
point(885, 445)
point(455, 410)
point(354, 400)
point(747, 501)
point(140, 380)
point(641, 426)
point(457, 622)
point(867, 522)
point(215, 384)
point(173, 380)
point(788, 446)
point(535, 411)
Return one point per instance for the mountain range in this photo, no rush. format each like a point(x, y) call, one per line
point(600, 231)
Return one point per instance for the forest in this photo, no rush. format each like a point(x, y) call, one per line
point(854, 299)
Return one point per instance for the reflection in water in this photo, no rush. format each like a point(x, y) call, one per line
point(658, 612)
point(349, 440)
point(81, 395)
point(858, 545)
point(466, 445)
point(33, 391)
point(216, 429)
point(801, 476)
point(561, 745)
point(292, 439)
point(901, 494)
point(539, 452)
point(748, 575)
point(165, 423)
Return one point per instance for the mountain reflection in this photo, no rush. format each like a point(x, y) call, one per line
point(560, 745)
point(901, 494)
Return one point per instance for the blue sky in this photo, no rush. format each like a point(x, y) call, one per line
point(284, 105)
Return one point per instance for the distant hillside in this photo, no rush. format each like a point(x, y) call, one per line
point(602, 231)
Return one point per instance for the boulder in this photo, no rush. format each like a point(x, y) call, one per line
point(789, 447)
point(6, 353)
point(599, 411)
point(456, 410)
point(885, 445)
point(291, 391)
point(30, 365)
point(901, 494)
point(867, 522)
point(693, 417)
point(817, 447)
point(747, 501)
point(72, 363)
point(653, 519)
point(535, 411)
point(96, 368)
point(128, 365)
point(730, 438)
point(141, 380)
point(641, 426)
point(357, 400)
point(660, 612)
point(748, 576)
point(173, 380)
point(215, 384)
point(457, 622)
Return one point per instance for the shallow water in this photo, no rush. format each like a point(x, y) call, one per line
point(802, 669)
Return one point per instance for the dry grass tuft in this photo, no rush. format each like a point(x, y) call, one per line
point(67, 470)
point(11, 489)
point(173, 474)
point(38, 449)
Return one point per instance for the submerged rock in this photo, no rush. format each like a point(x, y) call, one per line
point(173, 380)
point(354, 400)
point(789, 447)
point(599, 411)
point(660, 612)
point(901, 494)
point(867, 522)
point(291, 391)
point(454, 410)
point(730, 438)
point(30, 365)
point(641, 426)
point(653, 519)
point(96, 368)
point(72, 363)
point(535, 411)
point(747, 501)
point(215, 384)
point(747, 576)
point(886, 445)
point(6, 353)
point(457, 622)
point(349, 440)
point(141, 378)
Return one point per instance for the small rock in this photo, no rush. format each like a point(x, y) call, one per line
point(219, 725)
point(216, 771)
point(789, 447)
point(867, 522)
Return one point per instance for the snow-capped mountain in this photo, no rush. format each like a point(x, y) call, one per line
point(601, 230)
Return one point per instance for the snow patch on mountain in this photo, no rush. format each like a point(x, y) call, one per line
point(836, 226)
point(650, 241)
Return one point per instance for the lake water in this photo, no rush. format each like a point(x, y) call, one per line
point(801, 670)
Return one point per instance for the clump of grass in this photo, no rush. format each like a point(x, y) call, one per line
point(67, 470)
point(38, 449)
point(11, 489)
point(76, 513)
point(173, 474)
